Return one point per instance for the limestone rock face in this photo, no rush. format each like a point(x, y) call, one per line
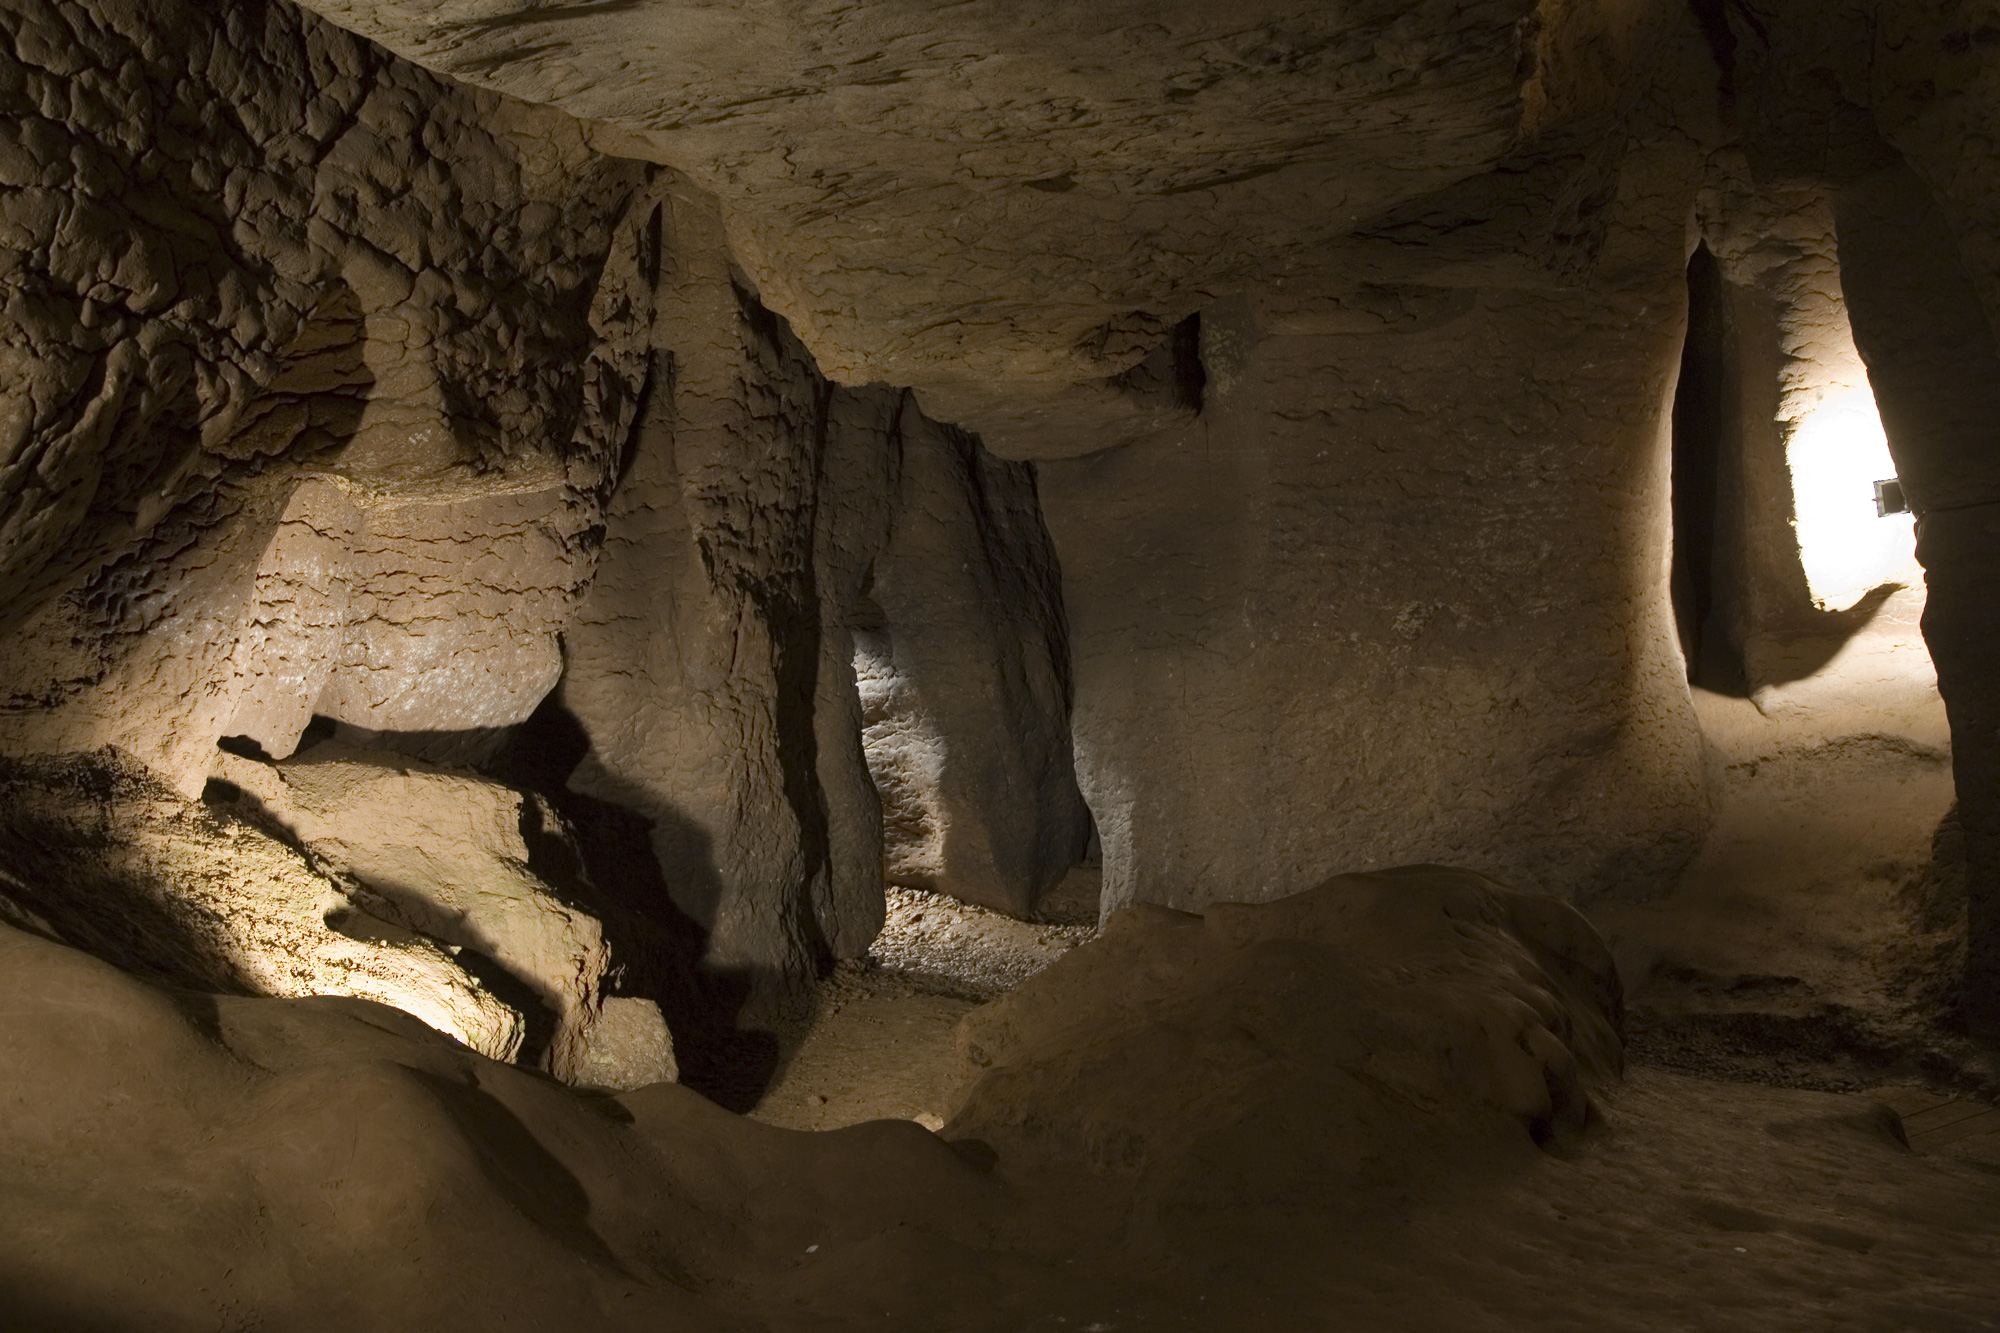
point(409, 618)
point(447, 856)
point(887, 171)
point(337, 873)
point(318, 368)
point(102, 855)
point(713, 664)
point(1390, 622)
point(1398, 606)
point(699, 665)
point(964, 674)
point(376, 476)
point(746, 369)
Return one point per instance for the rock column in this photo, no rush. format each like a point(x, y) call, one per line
point(1933, 362)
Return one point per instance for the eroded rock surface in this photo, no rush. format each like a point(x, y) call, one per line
point(1399, 606)
point(621, 353)
point(963, 658)
point(375, 475)
point(713, 665)
point(449, 856)
point(344, 872)
point(888, 172)
point(104, 856)
point(250, 250)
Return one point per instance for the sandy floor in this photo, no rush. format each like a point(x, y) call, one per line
point(1784, 956)
point(1696, 1205)
point(380, 1166)
point(1812, 941)
point(881, 1041)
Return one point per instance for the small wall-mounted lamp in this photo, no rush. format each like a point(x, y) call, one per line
point(1889, 498)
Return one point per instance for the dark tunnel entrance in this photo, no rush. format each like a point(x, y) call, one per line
point(1699, 433)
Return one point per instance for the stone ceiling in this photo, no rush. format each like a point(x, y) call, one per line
point(981, 195)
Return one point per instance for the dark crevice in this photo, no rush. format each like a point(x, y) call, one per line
point(1190, 376)
point(1700, 435)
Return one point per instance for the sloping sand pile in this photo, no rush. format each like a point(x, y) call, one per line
point(1376, 1032)
point(1385, 1104)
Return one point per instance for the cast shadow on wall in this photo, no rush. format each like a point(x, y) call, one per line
point(611, 866)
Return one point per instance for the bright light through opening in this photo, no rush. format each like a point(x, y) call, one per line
point(1837, 454)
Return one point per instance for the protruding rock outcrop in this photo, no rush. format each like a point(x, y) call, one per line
point(371, 485)
point(449, 857)
point(342, 872)
point(713, 665)
point(320, 367)
point(102, 855)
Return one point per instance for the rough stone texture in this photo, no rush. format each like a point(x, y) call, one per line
point(1338, 342)
point(329, 1164)
point(405, 618)
point(247, 248)
point(102, 855)
point(713, 665)
point(1821, 903)
point(1346, 334)
point(389, 489)
point(1500, 225)
point(338, 873)
point(952, 205)
point(1016, 215)
point(951, 948)
point(450, 857)
point(964, 674)
point(697, 663)
point(1405, 596)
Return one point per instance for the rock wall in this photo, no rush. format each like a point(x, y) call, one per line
point(713, 666)
point(248, 249)
point(1334, 351)
point(1891, 106)
point(373, 352)
point(964, 666)
point(1812, 597)
point(1404, 593)
point(1491, 673)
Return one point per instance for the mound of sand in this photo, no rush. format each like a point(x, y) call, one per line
point(1326, 1046)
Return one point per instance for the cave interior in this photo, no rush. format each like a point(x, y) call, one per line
point(785, 665)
